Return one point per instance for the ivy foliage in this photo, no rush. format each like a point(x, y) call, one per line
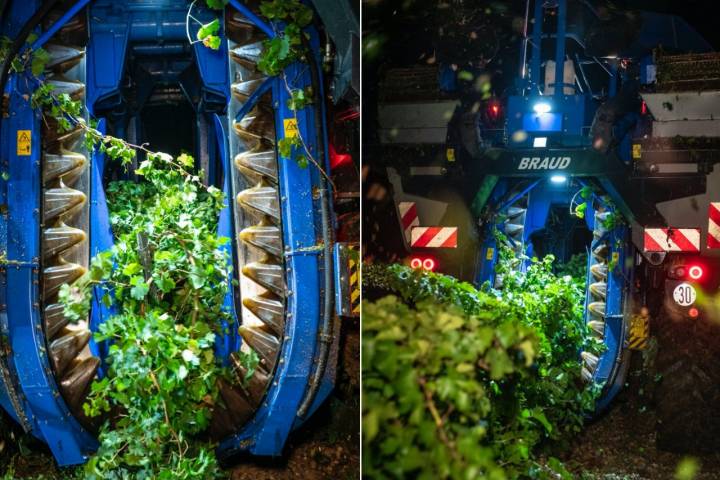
point(286, 47)
point(279, 52)
point(217, 4)
point(166, 279)
point(208, 34)
point(32, 60)
point(166, 276)
point(467, 383)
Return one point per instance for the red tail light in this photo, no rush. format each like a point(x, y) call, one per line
point(338, 159)
point(429, 264)
point(426, 263)
point(493, 111)
point(696, 272)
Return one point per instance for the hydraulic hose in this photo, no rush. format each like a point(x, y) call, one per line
point(326, 326)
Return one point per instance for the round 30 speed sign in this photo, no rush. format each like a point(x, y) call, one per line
point(684, 295)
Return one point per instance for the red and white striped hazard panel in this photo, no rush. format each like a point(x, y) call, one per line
point(672, 240)
point(408, 217)
point(434, 237)
point(713, 239)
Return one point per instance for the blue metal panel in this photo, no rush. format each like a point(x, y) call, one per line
point(250, 15)
point(106, 53)
point(68, 441)
point(48, 34)
point(567, 124)
point(101, 240)
point(614, 320)
point(213, 67)
point(267, 432)
point(542, 122)
point(486, 272)
point(271, 425)
point(230, 341)
point(265, 87)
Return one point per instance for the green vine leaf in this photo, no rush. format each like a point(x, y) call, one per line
point(208, 34)
point(275, 56)
point(39, 60)
point(217, 4)
point(300, 98)
point(450, 371)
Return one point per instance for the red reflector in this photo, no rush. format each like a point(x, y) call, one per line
point(693, 312)
point(416, 263)
point(643, 108)
point(695, 272)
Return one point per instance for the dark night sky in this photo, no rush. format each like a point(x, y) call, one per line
point(700, 14)
point(411, 23)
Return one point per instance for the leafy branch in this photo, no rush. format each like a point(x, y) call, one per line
point(281, 51)
point(161, 384)
point(459, 381)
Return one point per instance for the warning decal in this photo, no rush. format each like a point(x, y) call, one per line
point(24, 143)
point(291, 127)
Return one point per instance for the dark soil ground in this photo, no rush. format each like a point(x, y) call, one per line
point(327, 447)
point(620, 445)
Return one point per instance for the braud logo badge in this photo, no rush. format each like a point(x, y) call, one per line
point(544, 163)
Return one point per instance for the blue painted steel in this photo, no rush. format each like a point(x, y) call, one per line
point(486, 272)
point(48, 34)
point(517, 197)
point(338, 259)
point(230, 341)
point(575, 112)
point(542, 122)
point(68, 441)
point(266, 433)
point(106, 60)
point(265, 87)
point(542, 195)
point(447, 78)
point(250, 15)
point(101, 240)
point(213, 67)
point(113, 27)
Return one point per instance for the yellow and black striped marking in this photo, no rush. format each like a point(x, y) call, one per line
point(639, 332)
point(354, 283)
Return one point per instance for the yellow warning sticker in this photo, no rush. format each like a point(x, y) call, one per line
point(490, 253)
point(450, 154)
point(291, 127)
point(636, 151)
point(24, 143)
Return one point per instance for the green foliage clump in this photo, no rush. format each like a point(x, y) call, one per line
point(167, 277)
point(467, 383)
point(207, 34)
point(286, 47)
